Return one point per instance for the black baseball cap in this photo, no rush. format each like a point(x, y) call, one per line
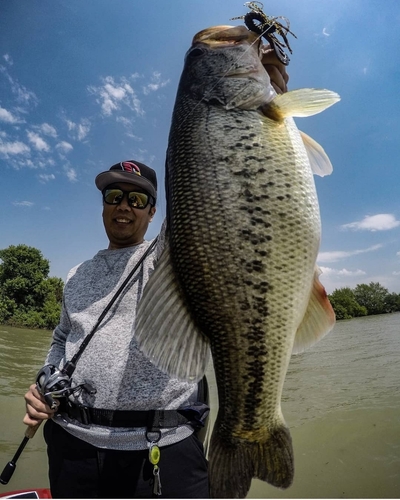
point(131, 171)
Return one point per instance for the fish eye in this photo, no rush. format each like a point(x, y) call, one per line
point(196, 52)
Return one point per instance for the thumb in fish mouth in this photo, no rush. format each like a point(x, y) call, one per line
point(275, 69)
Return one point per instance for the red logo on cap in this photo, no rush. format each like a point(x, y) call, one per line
point(129, 166)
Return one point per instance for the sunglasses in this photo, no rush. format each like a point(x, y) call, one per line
point(135, 199)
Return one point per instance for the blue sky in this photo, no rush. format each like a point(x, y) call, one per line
point(85, 84)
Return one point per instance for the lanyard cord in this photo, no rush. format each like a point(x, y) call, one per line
point(70, 366)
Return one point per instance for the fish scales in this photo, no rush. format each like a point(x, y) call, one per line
point(250, 217)
point(243, 237)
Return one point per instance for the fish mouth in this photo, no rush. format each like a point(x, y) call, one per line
point(225, 35)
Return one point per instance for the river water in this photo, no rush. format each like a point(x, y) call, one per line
point(341, 400)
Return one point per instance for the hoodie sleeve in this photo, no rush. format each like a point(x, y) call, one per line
point(56, 354)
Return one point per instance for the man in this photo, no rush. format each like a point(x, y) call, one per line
point(111, 437)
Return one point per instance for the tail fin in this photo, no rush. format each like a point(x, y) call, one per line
point(273, 460)
point(233, 464)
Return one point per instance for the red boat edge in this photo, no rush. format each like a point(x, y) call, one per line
point(34, 493)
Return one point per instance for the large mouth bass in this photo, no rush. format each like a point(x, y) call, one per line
point(238, 273)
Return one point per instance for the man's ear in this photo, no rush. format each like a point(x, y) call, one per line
point(152, 212)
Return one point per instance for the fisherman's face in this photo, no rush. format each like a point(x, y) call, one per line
point(126, 226)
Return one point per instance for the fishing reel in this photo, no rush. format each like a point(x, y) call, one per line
point(53, 384)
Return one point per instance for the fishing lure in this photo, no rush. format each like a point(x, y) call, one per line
point(269, 28)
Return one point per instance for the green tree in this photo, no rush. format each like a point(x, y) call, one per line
point(7, 308)
point(345, 305)
point(340, 311)
point(372, 297)
point(28, 297)
point(50, 287)
point(22, 271)
point(392, 302)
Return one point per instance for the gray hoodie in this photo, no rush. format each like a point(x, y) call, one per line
point(123, 377)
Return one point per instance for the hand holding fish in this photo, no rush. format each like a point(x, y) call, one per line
point(276, 70)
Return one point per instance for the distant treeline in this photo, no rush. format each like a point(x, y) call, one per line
point(28, 297)
point(364, 300)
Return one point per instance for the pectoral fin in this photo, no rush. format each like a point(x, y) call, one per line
point(318, 320)
point(300, 102)
point(165, 330)
point(319, 161)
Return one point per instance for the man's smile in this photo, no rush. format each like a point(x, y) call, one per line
point(122, 220)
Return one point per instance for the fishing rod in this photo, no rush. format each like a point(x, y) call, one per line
point(9, 469)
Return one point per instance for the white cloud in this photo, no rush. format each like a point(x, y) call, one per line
point(125, 121)
point(155, 83)
point(329, 271)
point(8, 59)
point(83, 130)
point(38, 162)
point(143, 156)
point(38, 143)
point(79, 131)
point(396, 273)
point(135, 137)
point(71, 174)
point(379, 222)
point(46, 177)
point(338, 255)
point(23, 203)
point(26, 162)
point(64, 147)
point(333, 278)
point(7, 116)
point(115, 93)
point(13, 148)
point(398, 254)
point(128, 124)
point(47, 129)
point(23, 95)
point(325, 32)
